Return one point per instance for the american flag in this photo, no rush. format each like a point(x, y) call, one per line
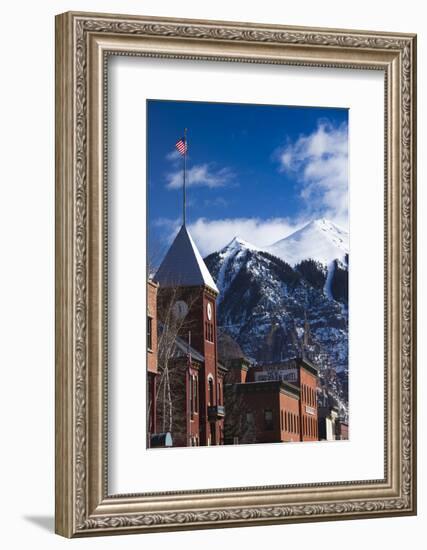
point(181, 145)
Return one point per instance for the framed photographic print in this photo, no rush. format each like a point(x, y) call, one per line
point(235, 276)
point(246, 339)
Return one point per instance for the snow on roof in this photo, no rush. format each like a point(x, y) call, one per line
point(183, 265)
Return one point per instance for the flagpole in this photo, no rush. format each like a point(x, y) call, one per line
point(185, 170)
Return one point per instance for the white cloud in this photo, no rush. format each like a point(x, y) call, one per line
point(201, 175)
point(174, 155)
point(320, 162)
point(212, 235)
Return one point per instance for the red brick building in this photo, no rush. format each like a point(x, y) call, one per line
point(304, 375)
point(333, 423)
point(262, 412)
point(341, 432)
point(187, 314)
point(271, 403)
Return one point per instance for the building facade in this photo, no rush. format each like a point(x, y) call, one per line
point(333, 425)
point(271, 403)
point(186, 311)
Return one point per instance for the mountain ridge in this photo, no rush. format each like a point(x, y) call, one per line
point(320, 240)
point(275, 310)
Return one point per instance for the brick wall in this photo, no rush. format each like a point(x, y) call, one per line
point(152, 315)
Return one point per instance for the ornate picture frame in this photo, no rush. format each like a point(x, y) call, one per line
point(84, 42)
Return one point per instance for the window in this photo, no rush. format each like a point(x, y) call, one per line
point(211, 392)
point(194, 405)
point(281, 420)
point(209, 331)
point(191, 396)
point(149, 332)
point(196, 393)
point(268, 419)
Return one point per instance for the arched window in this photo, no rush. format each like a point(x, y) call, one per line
point(191, 380)
point(211, 391)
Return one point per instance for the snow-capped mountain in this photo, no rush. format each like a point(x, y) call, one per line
point(231, 258)
point(321, 240)
point(275, 310)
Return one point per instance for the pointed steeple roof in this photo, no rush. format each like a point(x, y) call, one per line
point(183, 265)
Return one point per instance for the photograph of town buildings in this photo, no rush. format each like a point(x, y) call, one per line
point(248, 260)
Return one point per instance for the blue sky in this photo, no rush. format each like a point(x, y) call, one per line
point(256, 171)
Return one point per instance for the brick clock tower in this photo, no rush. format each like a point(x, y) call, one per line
point(185, 281)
